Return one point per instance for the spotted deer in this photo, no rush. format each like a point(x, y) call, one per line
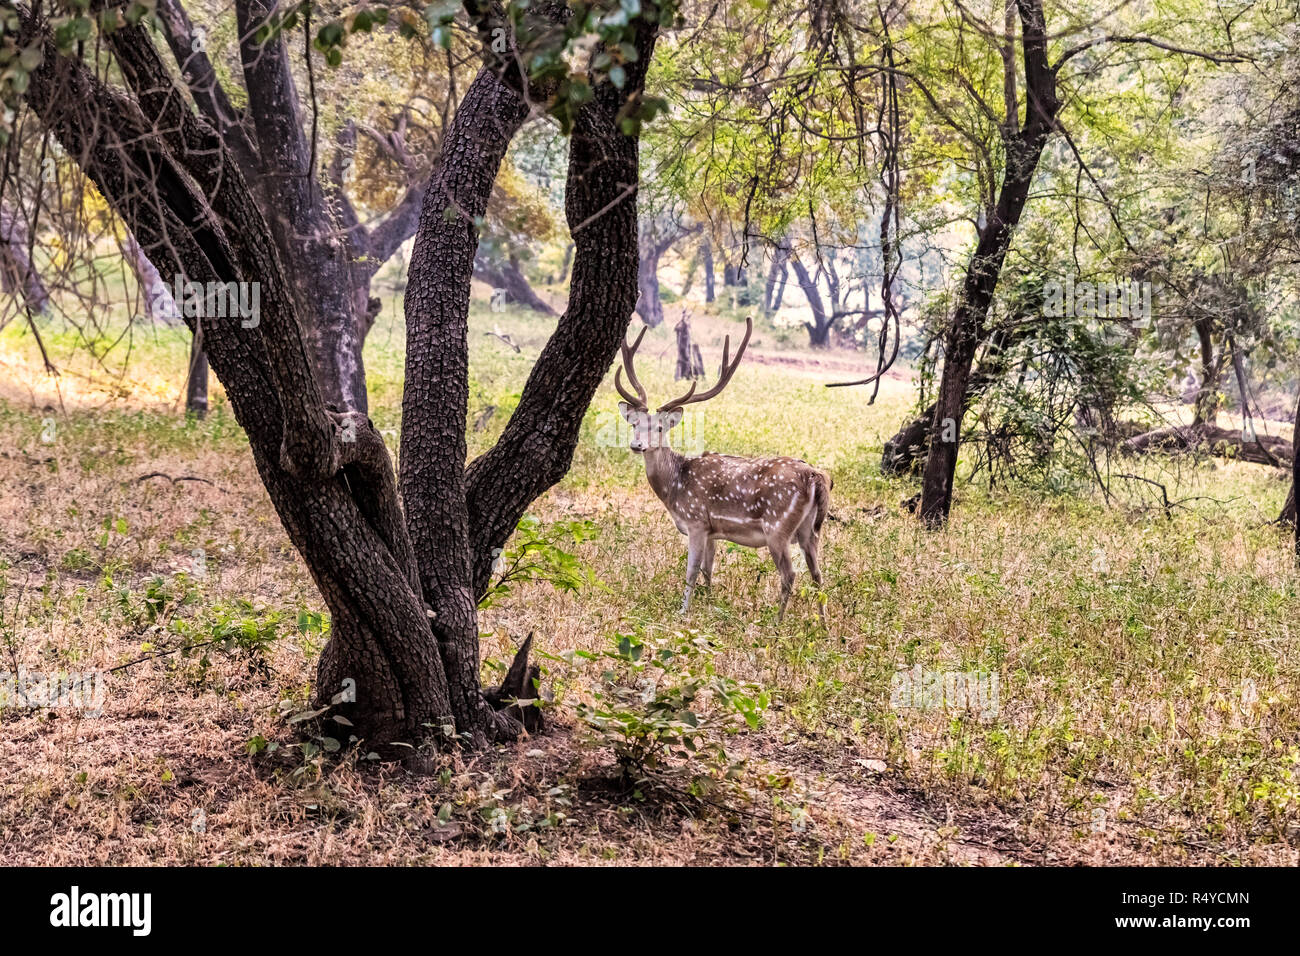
point(754, 502)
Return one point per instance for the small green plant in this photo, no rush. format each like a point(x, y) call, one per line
point(539, 554)
point(657, 703)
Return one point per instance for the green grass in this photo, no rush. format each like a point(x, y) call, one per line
point(1147, 665)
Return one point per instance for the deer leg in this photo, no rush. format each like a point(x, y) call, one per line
point(694, 558)
point(781, 558)
point(811, 548)
point(710, 547)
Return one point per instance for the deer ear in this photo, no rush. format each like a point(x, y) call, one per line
point(628, 412)
point(671, 419)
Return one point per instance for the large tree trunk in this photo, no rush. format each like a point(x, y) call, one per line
point(1023, 150)
point(16, 270)
point(401, 662)
point(336, 497)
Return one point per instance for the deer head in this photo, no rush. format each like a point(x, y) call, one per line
point(650, 430)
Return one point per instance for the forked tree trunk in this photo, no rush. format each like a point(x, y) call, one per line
point(331, 257)
point(401, 662)
point(1023, 150)
point(819, 329)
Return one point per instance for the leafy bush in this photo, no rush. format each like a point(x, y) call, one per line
point(656, 703)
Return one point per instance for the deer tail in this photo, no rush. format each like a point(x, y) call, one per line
point(822, 485)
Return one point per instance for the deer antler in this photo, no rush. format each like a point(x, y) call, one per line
point(725, 371)
point(639, 400)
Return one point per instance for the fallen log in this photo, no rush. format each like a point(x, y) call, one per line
point(1213, 440)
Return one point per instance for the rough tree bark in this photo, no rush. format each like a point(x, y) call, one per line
point(331, 256)
point(402, 672)
point(1024, 147)
point(336, 498)
point(458, 517)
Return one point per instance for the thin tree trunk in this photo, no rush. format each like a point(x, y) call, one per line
point(159, 305)
point(819, 329)
point(691, 269)
point(706, 256)
point(564, 266)
point(196, 383)
point(776, 273)
point(1024, 149)
point(780, 289)
point(318, 260)
point(16, 269)
point(1295, 480)
point(1206, 406)
point(436, 397)
point(648, 305)
point(690, 363)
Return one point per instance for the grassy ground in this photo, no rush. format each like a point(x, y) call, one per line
point(1146, 667)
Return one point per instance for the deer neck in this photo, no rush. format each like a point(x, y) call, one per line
point(663, 466)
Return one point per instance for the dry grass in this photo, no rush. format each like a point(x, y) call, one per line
point(1147, 667)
